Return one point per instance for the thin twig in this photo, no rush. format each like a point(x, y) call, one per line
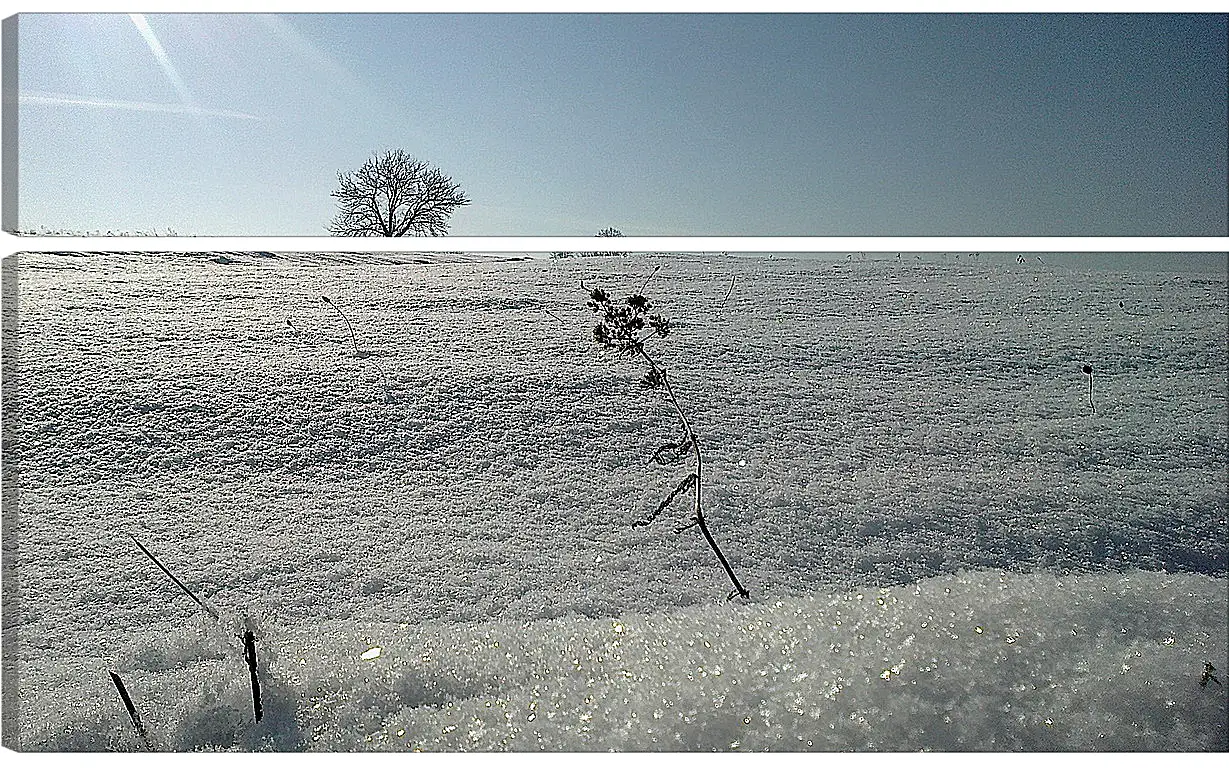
point(708, 536)
point(683, 486)
point(384, 380)
point(637, 342)
point(181, 585)
point(552, 314)
point(354, 341)
point(650, 277)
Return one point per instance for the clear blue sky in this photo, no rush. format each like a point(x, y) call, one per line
point(898, 124)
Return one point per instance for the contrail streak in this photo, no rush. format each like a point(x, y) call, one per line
point(164, 61)
point(136, 106)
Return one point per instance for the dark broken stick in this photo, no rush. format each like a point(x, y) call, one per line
point(552, 314)
point(249, 655)
point(132, 710)
point(650, 277)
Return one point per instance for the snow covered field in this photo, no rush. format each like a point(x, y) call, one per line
point(946, 547)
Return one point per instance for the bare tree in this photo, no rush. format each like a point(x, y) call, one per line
point(394, 195)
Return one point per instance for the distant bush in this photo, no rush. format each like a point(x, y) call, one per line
point(607, 232)
point(42, 231)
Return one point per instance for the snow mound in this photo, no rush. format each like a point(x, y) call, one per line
point(971, 661)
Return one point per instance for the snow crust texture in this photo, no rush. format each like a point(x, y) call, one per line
point(947, 546)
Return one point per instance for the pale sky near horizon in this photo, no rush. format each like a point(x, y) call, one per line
point(702, 124)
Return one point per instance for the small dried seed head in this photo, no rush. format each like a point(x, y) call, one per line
point(638, 302)
point(1088, 369)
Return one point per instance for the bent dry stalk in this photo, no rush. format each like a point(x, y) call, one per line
point(354, 341)
point(626, 328)
point(728, 291)
point(652, 274)
point(697, 516)
point(353, 338)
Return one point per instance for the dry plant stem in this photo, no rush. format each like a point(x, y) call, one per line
point(650, 277)
point(697, 514)
point(728, 291)
point(552, 314)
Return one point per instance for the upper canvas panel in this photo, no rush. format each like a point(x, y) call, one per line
point(678, 124)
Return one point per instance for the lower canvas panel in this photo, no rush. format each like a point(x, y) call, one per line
point(421, 496)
